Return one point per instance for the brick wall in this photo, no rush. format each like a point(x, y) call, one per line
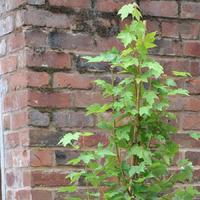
point(49, 86)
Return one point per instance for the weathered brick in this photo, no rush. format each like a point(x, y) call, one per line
point(190, 10)
point(83, 4)
point(48, 59)
point(6, 122)
point(8, 64)
point(50, 179)
point(41, 158)
point(193, 156)
point(16, 41)
point(7, 25)
point(17, 80)
point(44, 138)
point(53, 100)
point(153, 25)
point(12, 140)
point(13, 4)
point(23, 195)
point(37, 118)
point(63, 157)
point(36, 2)
point(72, 119)
point(167, 47)
point(2, 48)
point(74, 81)
point(42, 195)
point(191, 48)
point(159, 8)
point(184, 29)
point(81, 42)
point(15, 101)
point(19, 120)
point(110, 5)
point(38, 17)
point(35, 38)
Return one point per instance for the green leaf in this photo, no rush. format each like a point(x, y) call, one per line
point(194, 135)
point(149, 40)
point(70, 189)
point(156, 68)
point(181, 74)
point(87, 157)
point(86, 134)
point(179, 91)
point(69, 138)
point(136, 169)
point(126, 10)
point(123, 132)
point(145, 110)
point(126, 36)
point(74, 161)
point(150, 96)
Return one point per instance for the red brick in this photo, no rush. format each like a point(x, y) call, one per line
point(193, 156)
point(83, 4)
point(93, 141)
point(42, 195)
point(49, 59)
point(19, 120)
point(191, 103)
point(84, 99)
point(191, 121)
point(50, 179)
point(8, 64)
point(185, 141)
point(191, 48)
point(41, 158)
point(153, 25)
point(15, 101)
point(110, 5)
point(10, 178)
point(104, 44)
point(180, 64)
point(53, 100)
point(16, 41)
point(75, 81)
point(159, 8)
point(17, 80)
point(38, 79)
point(190, 10)
point(192, 85)
point(185, 30)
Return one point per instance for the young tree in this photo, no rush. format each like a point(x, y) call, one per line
point(136, 163)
